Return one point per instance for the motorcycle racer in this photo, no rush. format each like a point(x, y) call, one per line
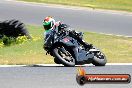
point(50, 24)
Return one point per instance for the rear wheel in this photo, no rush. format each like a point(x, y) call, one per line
point(99, 59)
point(64, 56)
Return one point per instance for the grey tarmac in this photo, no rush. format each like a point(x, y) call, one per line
point(57, 76)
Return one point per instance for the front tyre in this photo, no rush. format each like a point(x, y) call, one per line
point(64, 56)
point(99, 59)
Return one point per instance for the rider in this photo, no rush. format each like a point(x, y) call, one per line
point(50, 24)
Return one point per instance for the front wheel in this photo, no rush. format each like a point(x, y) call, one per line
point(64, 56)
point(99, 59)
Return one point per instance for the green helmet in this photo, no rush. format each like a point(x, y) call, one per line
point(48, 23)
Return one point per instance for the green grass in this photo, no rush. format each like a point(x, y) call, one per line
point(117, 49)
point(30, 52)
point(125, 5)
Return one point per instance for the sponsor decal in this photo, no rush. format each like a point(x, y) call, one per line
point(83, 78)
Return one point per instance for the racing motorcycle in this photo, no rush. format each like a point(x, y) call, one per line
point(68, 51)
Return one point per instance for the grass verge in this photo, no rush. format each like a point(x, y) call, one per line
point(125, 5)
point(117, 49)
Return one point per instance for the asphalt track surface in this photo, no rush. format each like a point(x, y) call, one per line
point(63, 77)
point(56, 77)
point(87, 20)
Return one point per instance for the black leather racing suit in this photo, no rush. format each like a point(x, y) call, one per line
point(76, 35)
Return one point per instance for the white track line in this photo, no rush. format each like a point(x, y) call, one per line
point(59, 65)
point(85, 64)
point(114, 35)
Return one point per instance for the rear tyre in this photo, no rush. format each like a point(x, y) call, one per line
point(65, 57)
point(99, 59)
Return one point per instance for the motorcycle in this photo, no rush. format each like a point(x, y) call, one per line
point(68, 51)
